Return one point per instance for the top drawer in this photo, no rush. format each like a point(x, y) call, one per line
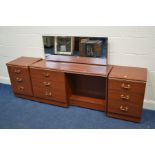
point(43, 74)
point(126, 86)
point(18, 71)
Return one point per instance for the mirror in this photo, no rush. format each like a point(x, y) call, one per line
point(94, 48)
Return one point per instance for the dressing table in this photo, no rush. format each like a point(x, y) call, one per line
point(116, 90)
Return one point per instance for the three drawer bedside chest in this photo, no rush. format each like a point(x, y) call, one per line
point(116, 90)
point(19, 75)
point(126, 87)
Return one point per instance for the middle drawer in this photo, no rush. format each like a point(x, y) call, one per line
point(122, 97)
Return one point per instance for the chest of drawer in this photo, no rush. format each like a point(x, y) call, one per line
point(123, 108)
point(126, 86)
point(20, 80)
point(46, 75)
point(48, 84)
point(131, 98)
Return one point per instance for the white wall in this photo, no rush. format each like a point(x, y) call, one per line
point(128, 46)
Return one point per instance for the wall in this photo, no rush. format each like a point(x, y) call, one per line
point(128, 46)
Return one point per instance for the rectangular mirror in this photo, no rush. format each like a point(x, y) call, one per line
point(91, 50)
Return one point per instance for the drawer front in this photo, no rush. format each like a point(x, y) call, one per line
point(56, 92)
point(133, 99)
point(42, 75)
point(20, 80)
point(126, 86)
point(17, 70)
point(124, 108)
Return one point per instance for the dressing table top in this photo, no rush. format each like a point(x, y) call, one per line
point(87, 69)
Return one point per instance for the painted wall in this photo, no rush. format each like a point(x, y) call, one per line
point(128, 46)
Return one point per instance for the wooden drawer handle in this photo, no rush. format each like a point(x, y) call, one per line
point(19, 79)
point(46, 74)
point(17, 71)
point(128, 86)
point(21, 88)
point(125, 97)
point(125, 109)
point(48, 93)
point(47, 83)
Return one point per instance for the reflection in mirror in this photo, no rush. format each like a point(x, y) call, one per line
point(94, 47)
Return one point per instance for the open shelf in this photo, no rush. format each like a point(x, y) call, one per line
point(87, 91)
point(88, 86)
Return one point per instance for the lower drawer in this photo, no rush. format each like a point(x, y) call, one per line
point(24, 88)
point(53, 93)
point(124, 108)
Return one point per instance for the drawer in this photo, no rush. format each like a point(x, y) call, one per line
point(20, 80)
point(23, 88)
point(19, 74)
point(124, 108)
point(126, 86)
point(56, 92)
point(42, 75)
point(17, 70)
point(45, 83)
point(126, 97)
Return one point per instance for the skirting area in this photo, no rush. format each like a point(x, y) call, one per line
point(20, 113)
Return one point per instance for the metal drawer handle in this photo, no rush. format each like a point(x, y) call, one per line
point(17, 71)
point(46, 74)
point(21, 88)
point(48, 94)
point(127, 97)
point(128, 86)
point(47, 83)
point(123, 108)
point(19, 79)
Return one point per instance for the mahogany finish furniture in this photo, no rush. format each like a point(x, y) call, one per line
point(70, 83)
point(19, 75)
point(126, 92)
point(119, 91)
